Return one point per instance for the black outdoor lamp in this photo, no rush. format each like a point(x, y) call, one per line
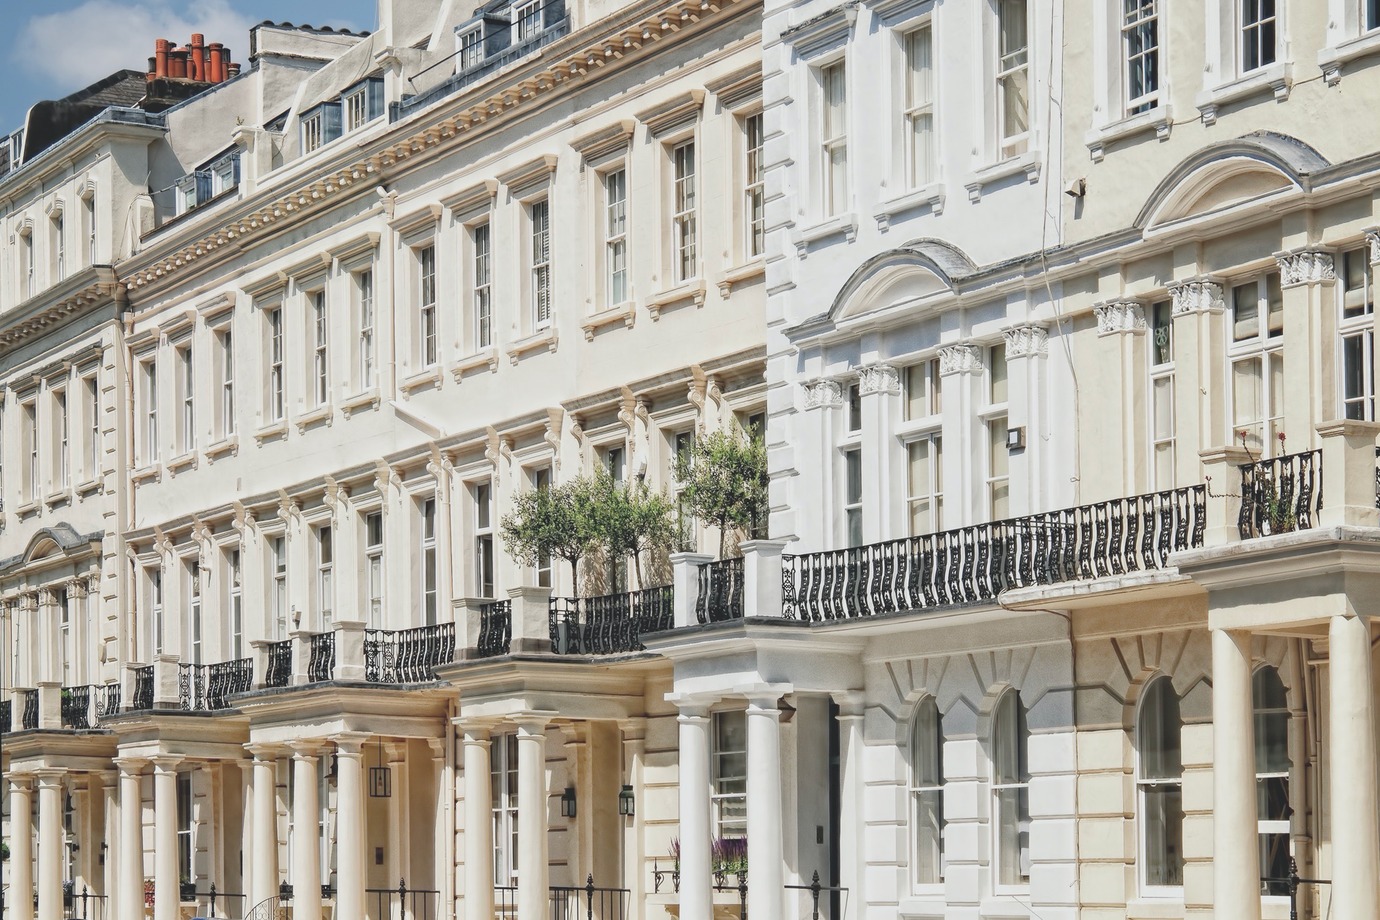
point(568, 802)
point(626, 803)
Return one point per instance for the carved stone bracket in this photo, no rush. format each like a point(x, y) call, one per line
point(1200, 295)
point(960, 359)
point(1307, 266)
point(878, 378)
point(1028, 341)
point(1373, 238)
point(1119, 316)
point(823, 394)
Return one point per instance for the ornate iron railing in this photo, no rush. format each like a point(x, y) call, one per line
point(6, 715)
point(76, 707)
point(407, 656)
point(321, 657)
point(720, 595)
point(414, 904)
point(589, 902)
point(274, 908)
point(110, 702)
point(215, 911)
point(975, 564)
point(608, 624)
point(84, 906)
point(206, 687)
point(279, 670)
point(142, 696)
point(1280, 495)
point(29, 717)
point(495, 628)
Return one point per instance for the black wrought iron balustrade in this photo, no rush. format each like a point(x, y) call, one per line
point(1377, 478)
point(6, 714)
point(495, 628)
point(219, 904)
point(142, 696)
point(414, 903)
point(83, 906)
point(407, 656)
point(279, 670)
point(588, 902)
point(505, 901)
point(720, 594)
point(29, 717)
point(207, 687)
point(76, 707)
point(110, 701)
point(321, 657)
point(608, 624)
point(975, 564)
point(1280, 495)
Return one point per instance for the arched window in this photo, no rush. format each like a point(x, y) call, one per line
point(1011, 792)
point(1271, 705)
point(927, 792)
point(1159, 786)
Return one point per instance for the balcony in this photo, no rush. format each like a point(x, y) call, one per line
point(142, 696)
point(206, 687)
point(610, 624)
point(407, 656)
point(1281, 494)
point(495, 629)
point(320, 657)
point(76, 707)
point(720, 595)
point(279, 670)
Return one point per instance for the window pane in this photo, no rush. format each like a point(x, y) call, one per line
point(1013, 835)
point(997, 375)
point(1246, 398)
point(853, 464)
point(1245, 307)
point(1163, 816)
point(1159, 732)
point(1274, 299)
point(929, 837)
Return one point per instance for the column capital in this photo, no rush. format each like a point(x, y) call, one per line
point(879, 378)
point(851, 704)
point(305, 750)
point(823, 393)
point(50, 776)
point(21, 781)
point(131, 766)
point(633, 729)
point(1197, 295)
point(263, 751)
point(962, 358)
point(166, 763)
point(1028, 340)
point(532, 723)
point(350, 744)
point(438, 747)
point(1120, 316)
point(1305, 266)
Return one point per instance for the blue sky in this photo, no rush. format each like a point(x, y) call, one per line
point(51, 47)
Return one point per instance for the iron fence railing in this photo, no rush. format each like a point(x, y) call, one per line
point(84, 906)
point(6, 715)
point(505, 901)
point(720, 594)
point(142, 696)
point(321, 657)
point(589, 902)
point(407, 656)
point(1281, 494)
point(413, 904)
point(220, 905)
point(76, 707)
point(833, 907)
point(279, 670)
point(29, 717)
point(207, 687)
point(274, 908)
point(975, 564)
point(608, 624)
point(110, 701)
point(495, 628)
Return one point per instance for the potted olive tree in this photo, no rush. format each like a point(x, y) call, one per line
point(724, 482)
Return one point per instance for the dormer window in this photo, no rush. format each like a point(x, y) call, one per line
point(362, 103)
point(470, 49)
point(320, 126)
point(527, 20)
point(225, 174)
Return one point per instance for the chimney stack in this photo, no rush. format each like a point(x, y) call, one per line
point(161, 48)
point(198, 61)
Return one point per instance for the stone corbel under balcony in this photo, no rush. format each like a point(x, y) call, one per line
point(319, 415)
point(1277, 78)
point(845, 225)
point(545, 338)
point(1028, 163)
point(369, 397)
point(1160, 119)
point(625, 312)
point(739, 274)
point(485, 357)
point(227, 445)
point(927, 196)
point(692, 290)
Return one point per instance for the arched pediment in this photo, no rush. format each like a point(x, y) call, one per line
point(898, 277)
point(1229, 175)
point(48, 542)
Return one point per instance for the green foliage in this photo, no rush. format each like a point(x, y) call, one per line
point(724, 481)
point(561, 521)
point(635, 519)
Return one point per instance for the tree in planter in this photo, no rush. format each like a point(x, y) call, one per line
point(560, 521)
point(724, 481)
point(633, 519)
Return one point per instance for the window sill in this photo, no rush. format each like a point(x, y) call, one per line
point(545, 338)
point(749, 271)
point(845, 225)
point(922, 907)
point(686, 290)
point(274, 432)
point(1160, 118)
point(183, 461)
point(227, 445)
point(1028, 163)
point(315, 417)
point(626, 312)
point(151, 473)
point(1331, 60)
point(427, 377)
point(931, 196)
point(485, 357)
point(1167, 908)
point(1277, 78)
point(59, 497)
point(1003, 905)
point(87, 487)
point(28, 508)
point(369, 397)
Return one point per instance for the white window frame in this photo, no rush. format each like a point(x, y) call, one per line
point(1149, 787)
point(1010, 709)
point(1355, 266)
point(154, 576)
point(1012, 64)
point(1278, 828)
point(1162, 404)
point(354, 107)
point(469, 49)
point(225, 345)
point(59, 237)
point(26, 242)
point(483, 497)
point(1140, 26)
point(539, 260)
point(235, 588)
point(503, 786)
point(195, 622)
point(929, 499)
point(754, 185)
point(374, 572)
point(1264, 348)
point(481, 291)
point(918, 104)
point(320, 355)
point(545, 569)
point(998, 468)
point(363, 284)
point(186, 385)
point(276, 403)
point(684, 229)
point(313, 131)
point(278, 585)
point(729, 788)
point(1264, 17)
point(831, 78)
point(91, 387)
point(186, 827)
point(925, 787)
point(1370, 16)
point(615, 227)
point(527, 20)
point(149, 378)
point(62, 431)
point(429, 588)
point(88, 202)
point(65, 644)
point(34, 483)
point(324, 543)
point(428, 337)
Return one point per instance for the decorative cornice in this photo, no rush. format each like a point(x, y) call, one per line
point(823, 394)
point(1199, 295)
point(1026, 341)
point(1120, 316)
point(960, 359)
point(1306, 266)
point(878, 378)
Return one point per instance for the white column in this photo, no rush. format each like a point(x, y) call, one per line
point(852, 858)
point(533, 885)
point(696, 884)
point(109, 842)
point(350, 867)
point(306, 835)
point(130, 853)
point(21, 893)
point(166, 891)
point(1355, 816)
point(1236, 869)
point(49, 844)
point(265, 851)
point(479, 832)
point(634, 733)
point(766, 896)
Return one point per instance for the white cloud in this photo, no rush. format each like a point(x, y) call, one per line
point(76, 47)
